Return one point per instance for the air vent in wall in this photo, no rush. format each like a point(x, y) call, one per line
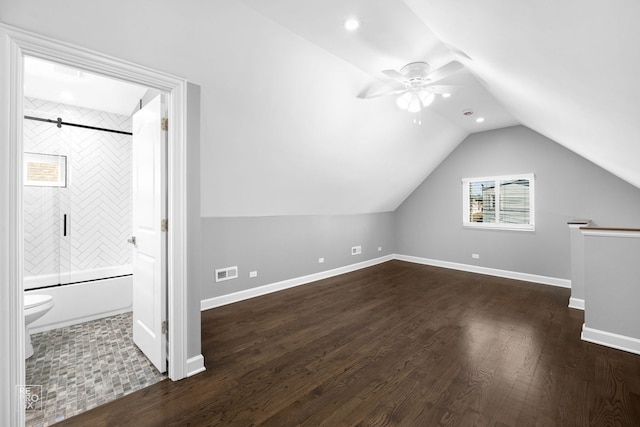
point(227, 273)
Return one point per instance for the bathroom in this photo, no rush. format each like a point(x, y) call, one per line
point(78, 210)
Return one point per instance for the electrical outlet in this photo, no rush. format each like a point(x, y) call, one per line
point(320, 260)
point(379, 248)
point(253, 274)
point(475, 256)
point(356, 250)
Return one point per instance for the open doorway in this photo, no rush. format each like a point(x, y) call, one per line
point(89, 147)
point(17, 44)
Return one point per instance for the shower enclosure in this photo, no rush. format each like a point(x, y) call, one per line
point(77, 195)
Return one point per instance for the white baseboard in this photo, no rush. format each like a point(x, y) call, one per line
point(577, 303)
point(545, 280)
point(195, 365)
point(219, 301)
point(609, 339)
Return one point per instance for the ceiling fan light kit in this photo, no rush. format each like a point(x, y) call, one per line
point(415, 101)
point(419, 81)
point(414, 105)
point(426, 98)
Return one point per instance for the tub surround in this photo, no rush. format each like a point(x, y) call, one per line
point(96, 199)
point(76, 235)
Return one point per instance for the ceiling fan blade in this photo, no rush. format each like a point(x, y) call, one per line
point(445, 71)
point(379, 94)
point(395, 75)
point(440, 89)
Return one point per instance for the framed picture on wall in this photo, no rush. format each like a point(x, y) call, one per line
point(45, 170)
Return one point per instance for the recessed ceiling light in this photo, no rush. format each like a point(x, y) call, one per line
point(480, 120)
point(446, 95)
point(351, 24)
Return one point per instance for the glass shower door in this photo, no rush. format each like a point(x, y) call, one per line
point(65, 200)
point(45, 181)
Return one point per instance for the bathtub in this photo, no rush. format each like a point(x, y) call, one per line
point(93, 298)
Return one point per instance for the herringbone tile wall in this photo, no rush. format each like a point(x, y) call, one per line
point(97, 199)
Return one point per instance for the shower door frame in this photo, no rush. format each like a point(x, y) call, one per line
point(14, 45)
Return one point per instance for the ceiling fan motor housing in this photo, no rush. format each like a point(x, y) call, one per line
point(416, 74)
point(415, 69)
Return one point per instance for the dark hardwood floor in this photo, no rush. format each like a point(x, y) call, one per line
point(395, 344)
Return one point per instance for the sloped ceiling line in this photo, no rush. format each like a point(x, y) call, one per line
point(567, 70)
point(283, 130)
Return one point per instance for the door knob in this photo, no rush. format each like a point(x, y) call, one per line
point(132, 240)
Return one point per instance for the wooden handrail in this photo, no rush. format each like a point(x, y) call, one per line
point(634, 230)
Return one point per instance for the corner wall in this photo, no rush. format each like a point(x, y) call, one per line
point(429, 221)
point(194, 230)
point(282, 248)
point(9, 377)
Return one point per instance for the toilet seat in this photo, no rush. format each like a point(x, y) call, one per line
point(31, 301)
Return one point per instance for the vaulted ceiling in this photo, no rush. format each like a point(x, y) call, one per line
point(285, 129)
point(567, 69)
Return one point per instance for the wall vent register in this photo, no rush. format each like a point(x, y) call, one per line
point(226, 273)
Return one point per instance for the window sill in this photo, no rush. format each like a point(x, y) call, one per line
point(505, 227)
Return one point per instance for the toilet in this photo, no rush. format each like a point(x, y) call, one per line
point(35, 306)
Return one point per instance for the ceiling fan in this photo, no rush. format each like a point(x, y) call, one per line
point(419, 88)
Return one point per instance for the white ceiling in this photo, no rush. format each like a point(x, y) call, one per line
point(390, 36)
point(567, 69)
point(283, 129)
point(59, 83)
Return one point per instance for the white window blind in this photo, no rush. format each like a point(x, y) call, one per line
point(502, 202)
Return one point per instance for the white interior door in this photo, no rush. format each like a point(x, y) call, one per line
point(149, 234)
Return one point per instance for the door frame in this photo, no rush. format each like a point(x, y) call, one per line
point(15, 43)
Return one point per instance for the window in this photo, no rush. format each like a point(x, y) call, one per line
point(45, 170)
point(503, 202)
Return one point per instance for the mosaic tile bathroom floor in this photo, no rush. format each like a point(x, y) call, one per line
point(82, 366)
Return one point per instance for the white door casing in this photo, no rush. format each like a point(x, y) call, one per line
point(14, 44)
point(149, 237)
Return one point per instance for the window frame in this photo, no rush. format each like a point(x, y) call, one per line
point(58, 160)
point(497, 225)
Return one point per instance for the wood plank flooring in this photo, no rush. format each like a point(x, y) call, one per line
point(394, 344)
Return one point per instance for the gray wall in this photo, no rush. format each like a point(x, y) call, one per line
point(194, 235)
point(286, 247)
point(429, 222)
point(611, 284)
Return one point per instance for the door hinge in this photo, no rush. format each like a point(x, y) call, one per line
point(165, 124)
point(164, 225)
point(164, 327)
